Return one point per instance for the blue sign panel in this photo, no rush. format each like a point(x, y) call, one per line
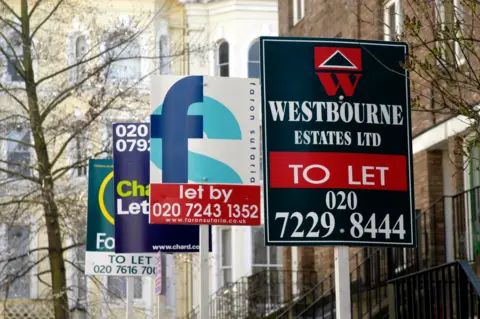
point(131, 164)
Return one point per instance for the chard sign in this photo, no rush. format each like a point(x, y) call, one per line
point(100, 257)
point(133, 233)
point(337, 143)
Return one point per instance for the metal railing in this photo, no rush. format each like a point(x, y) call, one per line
point(451, 290)
point(466, 206)
point(320, 300)
point(370, 271)
point(258, 295)
point(371, 268)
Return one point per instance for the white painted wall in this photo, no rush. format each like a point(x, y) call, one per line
point(239, 22)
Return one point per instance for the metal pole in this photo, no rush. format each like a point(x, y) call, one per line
point(130, 290)
point(158, 307)
point(342, 283)
point(204, 273)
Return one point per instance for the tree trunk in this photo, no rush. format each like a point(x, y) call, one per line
point(51, 213)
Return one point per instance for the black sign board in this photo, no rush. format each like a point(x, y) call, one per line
point(337, 143)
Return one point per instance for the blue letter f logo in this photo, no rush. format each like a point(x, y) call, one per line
point(175, 127)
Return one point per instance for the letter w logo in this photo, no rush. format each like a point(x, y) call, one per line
point(338, 59)
point(343, 81)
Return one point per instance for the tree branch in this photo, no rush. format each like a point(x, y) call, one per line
point(50, 14)
point(35, 6)
point(4, 3)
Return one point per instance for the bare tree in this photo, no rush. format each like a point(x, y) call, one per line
point(444, 61)
point(58, 92)
point(444, 37)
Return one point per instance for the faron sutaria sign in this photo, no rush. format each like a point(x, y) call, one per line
point(204, 151)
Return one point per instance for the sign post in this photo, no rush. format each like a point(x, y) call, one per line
point(204, 273)
point(204, 157)
point(342, 282)
point(130, 296)
point(131, 192)
point(337, 147)
point(101, 258)
point(158, 282)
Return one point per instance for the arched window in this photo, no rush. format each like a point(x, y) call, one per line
point(80, 51)
point(222, 59)
point(254, 60)
point(14, 57)
point(164, 55)
point(126, 63)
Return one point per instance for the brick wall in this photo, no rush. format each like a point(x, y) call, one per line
point(455, 153)
point(323, 261)
point(364, 20)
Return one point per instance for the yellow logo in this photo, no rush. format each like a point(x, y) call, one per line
point(101, 201)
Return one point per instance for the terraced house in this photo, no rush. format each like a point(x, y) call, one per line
point(443, 41)
point(68, 70)
point(439, 278)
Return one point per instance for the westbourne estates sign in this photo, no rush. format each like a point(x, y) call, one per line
point(337, 143)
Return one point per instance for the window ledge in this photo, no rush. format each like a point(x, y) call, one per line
point(296, 22)
point(116, 304)
point(461, 62)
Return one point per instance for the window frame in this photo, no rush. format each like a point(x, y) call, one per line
point(106, 126)
point(249, 62)
point(32, 291)
point(457, 14)
point(7, 129)
point(118, 300)
point(80, 70)
point(268, 248)
point(164, 67)
point(170, 283)
point(75, 155)
point(117, 65)
point(11, 62)
point(267, 266)
point(72, 39)
point(107, 139)
point(298, 16)
point(80, 138)
point(218, 64)
point(221, 266)
point(397, 29)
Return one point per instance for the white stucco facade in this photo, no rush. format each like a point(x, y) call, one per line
point(239, 23)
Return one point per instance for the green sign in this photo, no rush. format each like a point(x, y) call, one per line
point(100, 223)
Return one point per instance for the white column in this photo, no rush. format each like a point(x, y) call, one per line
point(448, 205)
point(130, 291)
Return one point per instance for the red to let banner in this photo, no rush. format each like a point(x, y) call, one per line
point(205, 204)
